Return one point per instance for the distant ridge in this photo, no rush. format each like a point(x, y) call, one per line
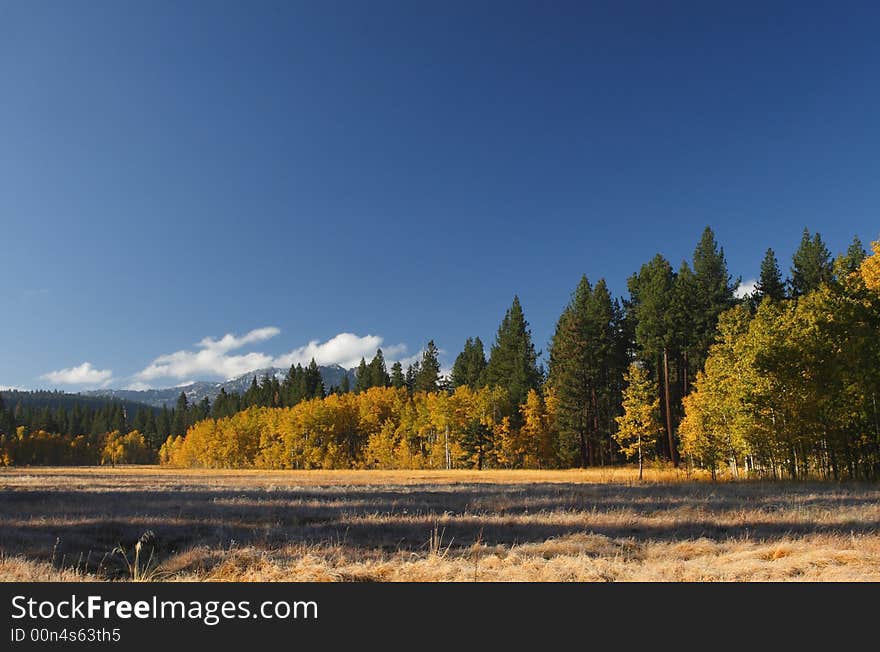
point(332, 375)
point(59, 399)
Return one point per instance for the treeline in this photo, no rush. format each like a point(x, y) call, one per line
point(790, 388)
point(38, 447)
point(305, 383)
point(652, 375)
point(55, 428)
point(381, 427)
point(782, 382)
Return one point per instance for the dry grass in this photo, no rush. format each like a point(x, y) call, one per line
point(596, 525)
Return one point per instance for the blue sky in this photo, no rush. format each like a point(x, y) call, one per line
point(173, 172)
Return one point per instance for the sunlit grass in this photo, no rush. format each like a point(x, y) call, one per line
point(583, 525)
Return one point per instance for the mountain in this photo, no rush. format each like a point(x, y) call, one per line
point(332, 375)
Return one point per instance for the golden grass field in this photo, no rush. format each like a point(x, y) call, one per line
point(63, 524)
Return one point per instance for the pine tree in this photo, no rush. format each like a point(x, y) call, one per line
point(377, 373)
point(584, 365)
point(714, 293)
point(201, 410)
point(469, 365)
point(4, 419)
point(140, 420)
point(651, 292)
point(151, 433)
point(398, 380)
point(428, 373)
point(345, 385)
point(412, 372)
point(477, 441)
point(639, 425)
point(811, 265)
point(851, 261)
point(252, 395)
point(684, 304)
point(180, 420)
point(268, 391)
point(512, 360)
point(163, 424)
point(362, 377)
point(314, 384)
point(298, 389)
point(770, 283)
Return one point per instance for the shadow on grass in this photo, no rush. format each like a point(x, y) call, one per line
point(46, 524)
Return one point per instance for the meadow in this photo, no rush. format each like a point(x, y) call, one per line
point(83, 524)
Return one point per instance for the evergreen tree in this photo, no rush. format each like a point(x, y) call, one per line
point(345, 385)
point(140, 420)
point(811, 265)
point(221, 405)
point(852, 260)
point(6, 426)
point(202, 410)
point(477, 440)
point(314, 384)
point(584, 365)
point(684, 348)
point(150, 431)
point(713, 293)
point(362, 377)
point(428, 374)
point(377, 373)
point(269, 391)
point(412, 371)
point(180, 422)
point(512, 360)
point(298, 390)
point(163, 424)
point(651, 292)
point(770, 283)
point(469, 365)
point(275, 398)
point(398, 380)
point(252, 395)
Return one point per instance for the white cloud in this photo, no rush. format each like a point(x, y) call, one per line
point(230, 342)
point(345, 349)
point(182, 364)
point(407, 361)
point(745, 288)
point(84, 374)
point(214, 359)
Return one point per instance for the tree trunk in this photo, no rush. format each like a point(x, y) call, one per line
point(672, 452)
point(685, 374)
point(583, 447)
point(595, 424)
point(640, 457)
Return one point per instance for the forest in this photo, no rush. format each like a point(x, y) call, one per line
point(780, 383)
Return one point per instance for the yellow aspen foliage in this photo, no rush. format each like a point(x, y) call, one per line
point(537, 434)
point(381, 427)
point(125, 449)
point(871, 268)
point(717, 418)
point(639, 426)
